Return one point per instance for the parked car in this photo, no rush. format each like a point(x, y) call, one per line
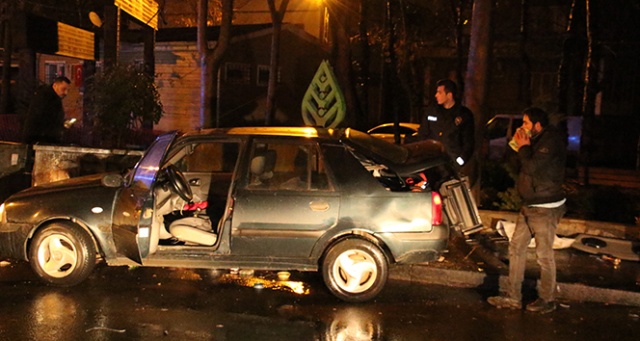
point(501, 127)
point(305, 199)
point(386, 131)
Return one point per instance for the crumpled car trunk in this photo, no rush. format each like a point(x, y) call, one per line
point(424, 165)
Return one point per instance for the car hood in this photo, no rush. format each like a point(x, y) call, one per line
point(89, 181)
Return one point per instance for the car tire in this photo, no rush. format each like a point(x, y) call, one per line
point(62, 254)
point(355, 270)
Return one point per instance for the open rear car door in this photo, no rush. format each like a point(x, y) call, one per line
point(133, 210)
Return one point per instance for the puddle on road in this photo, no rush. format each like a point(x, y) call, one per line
point(259, 283)
point(247, 278)
point(264, 280)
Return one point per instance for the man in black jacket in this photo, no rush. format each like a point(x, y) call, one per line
point(45, 119)
point(542, 157)
point(450, 123)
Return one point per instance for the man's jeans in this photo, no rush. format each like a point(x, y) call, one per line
point(540, 223)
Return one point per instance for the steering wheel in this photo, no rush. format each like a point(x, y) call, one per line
point(178, 183)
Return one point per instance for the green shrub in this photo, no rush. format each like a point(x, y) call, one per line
point(120, 99)
point(498, 192)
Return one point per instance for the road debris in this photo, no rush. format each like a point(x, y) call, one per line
point(622, 249)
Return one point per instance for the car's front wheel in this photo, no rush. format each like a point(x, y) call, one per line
point(62, 254)
point(355, 270)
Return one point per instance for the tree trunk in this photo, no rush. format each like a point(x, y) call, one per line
point(111, 32)
point(149, 62)
point(214, 59)
point(341, 61)
point(571, 76)
point(525, 61)
point(211, 59)
point(365, 63)
point(392, 79)
point(588, 95)
point(88, 71)
point(411, 97)
point(276, 18)
point(6, 62)
point(476, 78)
point(27, 79)
point(457, 8)
point(205, 109)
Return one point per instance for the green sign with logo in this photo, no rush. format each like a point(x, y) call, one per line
point(323, 104)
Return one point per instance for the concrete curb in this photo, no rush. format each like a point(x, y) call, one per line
point(422, 274)
point(570, 226)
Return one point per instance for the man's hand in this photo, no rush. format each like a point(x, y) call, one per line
point(522, 138)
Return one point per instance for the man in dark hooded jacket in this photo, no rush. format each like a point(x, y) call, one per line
point(542, 157)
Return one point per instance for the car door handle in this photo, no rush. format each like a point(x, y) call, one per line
point(194, 182)
point(320, 206)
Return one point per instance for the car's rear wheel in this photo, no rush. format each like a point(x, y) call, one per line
point(62, 254)
point(355, 270)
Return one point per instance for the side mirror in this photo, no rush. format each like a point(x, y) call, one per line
point(112, 180)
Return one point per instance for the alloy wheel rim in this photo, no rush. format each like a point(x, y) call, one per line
point(57, 256)
point(355, 271)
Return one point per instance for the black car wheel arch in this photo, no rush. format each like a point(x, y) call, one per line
point(62, 254)
point(355, 269)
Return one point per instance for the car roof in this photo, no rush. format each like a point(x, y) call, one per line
point(378, 149)
point(363, 142)
point(272, 131)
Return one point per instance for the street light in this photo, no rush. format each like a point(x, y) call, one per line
point(95, 19)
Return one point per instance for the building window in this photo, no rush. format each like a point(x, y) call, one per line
point(237, 73)
point(53, 70)
point(262, 76)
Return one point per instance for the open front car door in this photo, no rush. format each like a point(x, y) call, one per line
point(133, 211)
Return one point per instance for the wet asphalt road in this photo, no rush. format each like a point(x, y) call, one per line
point(174, 304)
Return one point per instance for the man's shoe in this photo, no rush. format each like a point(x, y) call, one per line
point(541, 306)
point(504, 302)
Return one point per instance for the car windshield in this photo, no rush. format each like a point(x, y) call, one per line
point(148, 166)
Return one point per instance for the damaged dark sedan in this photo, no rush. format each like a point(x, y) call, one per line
point(307, 199)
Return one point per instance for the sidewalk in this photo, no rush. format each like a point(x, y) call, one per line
point(581, 276)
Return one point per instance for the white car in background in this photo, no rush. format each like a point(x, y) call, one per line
point(501, 127)
point(386, 131)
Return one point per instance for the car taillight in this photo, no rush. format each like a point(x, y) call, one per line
point(436, 208)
